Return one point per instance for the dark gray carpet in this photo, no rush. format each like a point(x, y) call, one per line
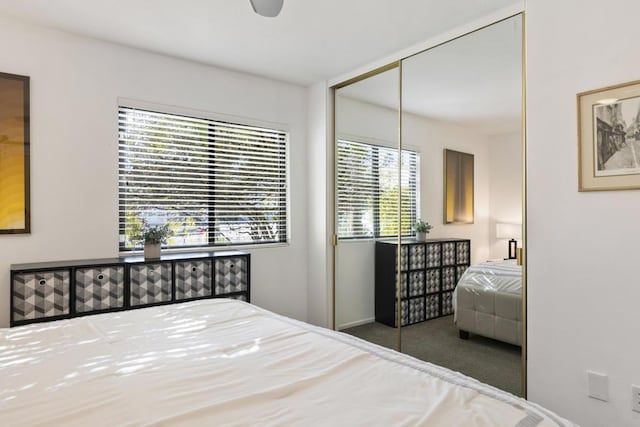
point(436, 341)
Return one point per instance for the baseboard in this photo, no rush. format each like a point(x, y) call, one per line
point(356, 323)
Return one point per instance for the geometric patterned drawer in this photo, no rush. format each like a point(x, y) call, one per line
point(447, 303)
point(432, 306)
point(433, 255)
point(150, 283)
point(404, 258)
point(99, 288)
point(193, 279)
point(433, 281)
point(405, 314)
point(460, 271)
point(449, 278)
point(416, 257)
point(403, 290)
point(231, 275)
point(40, 294)
point(449, 253)
point(416, 310)
point(462, 252)
point(416, 283)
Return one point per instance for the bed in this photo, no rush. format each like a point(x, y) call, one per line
point(488, 301)
point(225, 362)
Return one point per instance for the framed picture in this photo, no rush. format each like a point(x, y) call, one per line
point(14, 154)
point(609, 138)
point(458, 187)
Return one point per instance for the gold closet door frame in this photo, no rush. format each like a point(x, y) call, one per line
point(334, 232)
point(334, 240)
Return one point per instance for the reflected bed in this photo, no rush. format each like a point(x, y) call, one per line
point(226, 362)
point(488, 301)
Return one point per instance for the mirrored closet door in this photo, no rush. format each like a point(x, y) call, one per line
point(366, 199)
point(462, 132)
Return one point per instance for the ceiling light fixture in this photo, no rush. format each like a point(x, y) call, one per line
point(268, 8)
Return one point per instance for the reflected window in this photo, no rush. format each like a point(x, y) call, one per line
point(368, 189)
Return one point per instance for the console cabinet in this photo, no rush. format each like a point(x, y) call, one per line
point(59, 290)
point(429, 273)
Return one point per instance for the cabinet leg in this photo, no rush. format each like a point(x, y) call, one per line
point(463, 334)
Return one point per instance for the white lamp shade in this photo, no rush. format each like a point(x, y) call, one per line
point(508, 231)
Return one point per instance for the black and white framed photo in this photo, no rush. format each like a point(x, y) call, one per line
point(609, 138)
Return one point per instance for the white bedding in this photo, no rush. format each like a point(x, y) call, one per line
point(225, 362)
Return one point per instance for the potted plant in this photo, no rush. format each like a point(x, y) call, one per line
point(153, 236)
point(422, 229)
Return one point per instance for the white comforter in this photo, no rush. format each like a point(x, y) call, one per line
point(501, 276)
point(224, 362)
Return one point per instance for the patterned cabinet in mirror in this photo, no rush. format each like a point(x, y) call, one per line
point(429, 273)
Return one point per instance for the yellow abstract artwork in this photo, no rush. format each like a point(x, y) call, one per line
point(14, 152)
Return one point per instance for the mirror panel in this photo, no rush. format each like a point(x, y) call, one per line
point(366, 154)
point(462, 115)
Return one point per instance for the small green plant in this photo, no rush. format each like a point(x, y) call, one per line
point(422, 226)
point(152, 234)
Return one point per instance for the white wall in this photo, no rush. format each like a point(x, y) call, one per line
point(505, 180)
point(583, 288)
point(75, 83)
point(355, 259)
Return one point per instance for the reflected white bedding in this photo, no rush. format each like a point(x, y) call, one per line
point(488, 301)
point(225, 362)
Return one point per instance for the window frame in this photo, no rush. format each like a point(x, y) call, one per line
point(219, 117)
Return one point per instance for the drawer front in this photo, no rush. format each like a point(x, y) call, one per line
point(433, 281)
point(405, 314)
point(193, 279)
point(416, 310)
point(403, 290)
point(416, 257)
point(449, 278)
point(433, 254)
point(232, 275)
point(40, 294)
point(447, 303)
point(150, 283)
point(462, 253)
point(99, 288)
point(460, 271)
point(432, 306)
point(404, 258)
point(416, 283)
point(449, 253)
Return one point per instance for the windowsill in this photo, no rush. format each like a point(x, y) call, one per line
point(239, 248)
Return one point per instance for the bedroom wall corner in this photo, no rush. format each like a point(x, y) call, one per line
point(583, 288)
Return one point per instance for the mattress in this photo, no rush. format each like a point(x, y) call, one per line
point(488, 301)
point(225, 362)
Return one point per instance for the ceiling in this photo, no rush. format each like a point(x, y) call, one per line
point(473, 81)
point(310, 41)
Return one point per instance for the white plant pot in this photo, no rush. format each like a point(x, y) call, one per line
point(421, 237)
point(152, 250)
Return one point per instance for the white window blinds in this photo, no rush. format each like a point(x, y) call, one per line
point(368, 190)
point(212, 182)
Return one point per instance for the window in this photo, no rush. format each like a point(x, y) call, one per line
point(213, 183)
point(368, 190)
